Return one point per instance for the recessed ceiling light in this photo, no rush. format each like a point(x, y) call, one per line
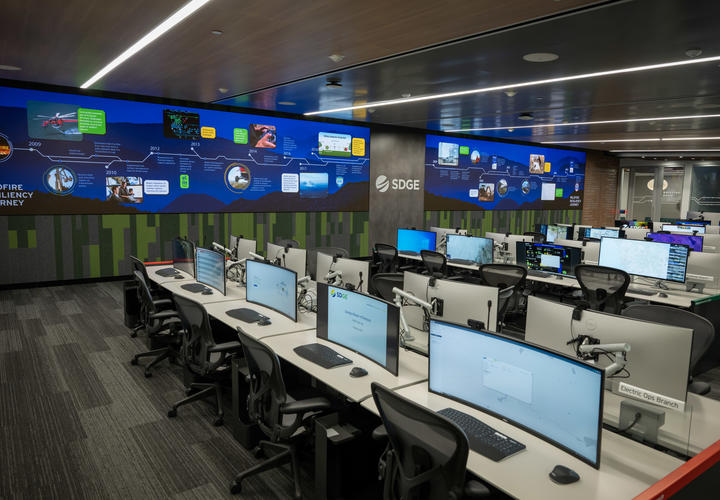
point(222, 90)
point(693, 52)
point(510, 93)
point(526, 117)
point(184, 12)
point(541, 57)
point(580, 76)
point(691, 138)
point(9, 67)
point(336, 58)
point(286, 103)
point(598, 122)
point(216, 32)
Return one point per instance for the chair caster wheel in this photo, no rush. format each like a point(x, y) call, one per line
point(148, 374)
point(133, 335)
point(258, 452)
point(172, 413)
point(134, 361)
point(235, 488)
point(218, 422)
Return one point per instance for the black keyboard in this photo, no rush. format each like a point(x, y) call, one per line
point(536, 273)
point(641, 291)
point(167, 272)
point(194, 287)
point(483, 439)
point(408, 252)
point(464, 262)
point(321, 355)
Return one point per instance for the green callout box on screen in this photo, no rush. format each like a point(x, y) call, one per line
point(558, 192)
point(240, 136)
point(91, 121)
point(184, 181)
point(464, 150)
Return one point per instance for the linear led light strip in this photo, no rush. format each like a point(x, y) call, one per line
point(652, 139)
point(156, 33)
point(582, 76)
point(600, 122)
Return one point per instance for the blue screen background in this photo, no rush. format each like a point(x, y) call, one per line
point(505, 168)
point(409, 240)
point(136, 145)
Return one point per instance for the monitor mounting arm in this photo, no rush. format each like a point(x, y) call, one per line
point(404, 329)
point(588, 348)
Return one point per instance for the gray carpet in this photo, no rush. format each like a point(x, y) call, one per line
point(78, 421)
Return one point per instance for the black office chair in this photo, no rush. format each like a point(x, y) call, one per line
point(287, 243)
point(537, 237)
point(435, 263)
point(312, 258)
point(161, 322)
point(383, 283)
point(510, 279)
point(426, 455)
point(385, 258)
point(703, 333)
point(156, 291)
point(278, 416)
point(603, 287)
point(201, 356)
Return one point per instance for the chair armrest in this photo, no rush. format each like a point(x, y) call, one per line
point(305, 405)
point(506, 293)
point(379, 433)
point(163, 302)
point(475, 489)
point(226, 347)
point(164, 315)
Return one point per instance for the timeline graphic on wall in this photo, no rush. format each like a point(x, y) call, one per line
point(64, 153)
point(470, 174)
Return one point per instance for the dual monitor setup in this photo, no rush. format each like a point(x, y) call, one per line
point(459, 248)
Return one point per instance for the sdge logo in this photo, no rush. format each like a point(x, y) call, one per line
point(338, 294)
point(382, 184)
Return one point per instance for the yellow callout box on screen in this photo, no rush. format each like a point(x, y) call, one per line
point(358, 146)
point(207, 132)
point(547, 166)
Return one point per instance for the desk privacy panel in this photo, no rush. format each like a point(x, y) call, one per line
point(65, 247)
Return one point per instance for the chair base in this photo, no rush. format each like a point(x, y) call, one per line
point(160, 355)
point(203, 391)
point(286, 454)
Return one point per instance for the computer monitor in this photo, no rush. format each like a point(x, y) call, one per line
point(558, 398)
point(678, 228)
point(694, 242)
point(442, 233)
point(242, 247)
point(364, 324)
point(353, 273)
point(597, 233)
point(552, 259)
point(469, 248)
point(651, 259)
point(551, 325)
point(210, 269)
point(411, 240)
point(291, 258)
point(554, 232)
point(272, 286)
point(184, 256)
point(541, 228)
point(691, 222)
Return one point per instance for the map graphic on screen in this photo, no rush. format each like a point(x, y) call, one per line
point(68, 153)
point(472, 174)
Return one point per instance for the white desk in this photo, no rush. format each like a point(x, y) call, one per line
point(154, 276)
point(626, 468)
point(412, 367)
point(280, 324)
point(175, 286)
point(676, 296)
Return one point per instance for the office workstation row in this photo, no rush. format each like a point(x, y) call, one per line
point(412, 370)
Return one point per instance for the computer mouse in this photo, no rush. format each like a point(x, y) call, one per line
point(207, 291)
point(358, 372)
point(179, 277)
point(563, 475)
point(264, 322)
point(663, 295)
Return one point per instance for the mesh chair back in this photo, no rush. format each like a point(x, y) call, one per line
point(603, 287)
point(145, 298)
point(284, 243)
point(267, 391)
point(537, 237)
point(386, 256)
point(703, 329)
point(312, 257)
point(504, 276)
point(383, 283)
point(435, 263)
point(197, 335)
point(428, 454)
point(138, 265)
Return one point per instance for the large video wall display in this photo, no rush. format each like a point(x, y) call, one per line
point(470, 174)
point(64, 153)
